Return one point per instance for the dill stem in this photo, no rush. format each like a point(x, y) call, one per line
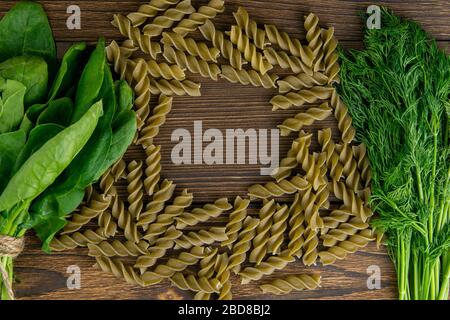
point(415, 276)
point(443, 293)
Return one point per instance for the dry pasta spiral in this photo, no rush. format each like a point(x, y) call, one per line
point(97, 205)
point(150, 10)
point(247, 77)
point(314, 38)
point(163, 70)
point(198, 18)
point(331, 57)
point(335, 218)
point(343, 231)
point(118, 56)
point(292, 283)
point(193, 64)
point(351, 245)
point(329, 148)
point(360, 153)
point(285, 42)
point(124, 219)
point(135, 188)
point(315, 167)
point(198, 215)
point(225, 46)
point(194, 48)
point(351, 200)
point(310, 245)
point(153, 123)
point(77, 239)
point(243, 244)
point(173, 265)
point(301, 97)
point(302, 81)
point(350, 167)
point(272, 189)
point(306, 118)
point(168, 19)
point(208, 263)
point(153, 168)
point(297, 228)
point(262, 237)
point(119, 269)
point(117, 248)
point(250, 28)
point(223, 276)
point(201, 238)
point(267, 267)
point(286, 61)
point(154, 207)
point(144, 42)
point(277, 230)
point(237, 217)
point(196, 284)
point(141, 87)
point(174, 87)
point(249, 50)
point(108, 224)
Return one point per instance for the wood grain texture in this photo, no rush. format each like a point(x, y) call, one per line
point(222, 106)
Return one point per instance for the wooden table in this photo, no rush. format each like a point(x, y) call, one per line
point(223, 105)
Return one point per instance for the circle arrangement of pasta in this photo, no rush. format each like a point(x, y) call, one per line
point(135, 234)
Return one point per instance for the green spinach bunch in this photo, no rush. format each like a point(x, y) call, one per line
point(61, 126)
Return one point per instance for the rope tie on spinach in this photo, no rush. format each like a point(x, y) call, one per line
point(9, 247)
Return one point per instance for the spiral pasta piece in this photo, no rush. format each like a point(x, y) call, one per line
point(243, 244)
point(297, 228)
point(249, 50)
point(292, 283)
point(97, 205)
point(162, 70)
point(360, 154)
point(237, 217)
point(174, 87)
point(208, 263)
point(225, 46)
point(272, 189)
point(277, 230)
point(335, 218)
point(262, 237)
point(194, 48)
point(158, 249)
point(173, 266)
point(200, 238)
point(310, 247)
point(135, 188)
point(247, 77)
point(168, 19)
point(329, 148)
point(298, 152)
point(311, 204)
point(150, 10)
point(119, 269)
point(198, 215)
point(107, 223)
point(350, 167)
point(331, 56)
point(286, 61)
point(301, 81)
point(144, 42)
point(153, 123)
point(314, 38)
point(191, 63)
point(351, 245)
point(118, 56)
point(223, 276)
point(292, 45)
point(203, 296)
point(77, 239)
point(250, 28)
point(196, 284)
point(118, 170)
point(117, 248)
point(301, 97)
point(343, 231)
point(267, 267)
point(153, 168)
point(351, 200)
point(199, 17)
point(124, 219)
point(154, 207)
point(315, 167)
point(306, 118)
point(167, 218)
point(141, 87)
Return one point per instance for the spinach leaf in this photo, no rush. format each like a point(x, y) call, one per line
point(37, 138)
point(124, 131)
point(91, 81)
point(25, 30)
point(10, 145)
point(57, 112)
point(32, 72)
point(11, 105)
point(124, 96)
point(69, 70)
point(46, 164)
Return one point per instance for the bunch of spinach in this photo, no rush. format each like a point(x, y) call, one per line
point(60, 129)
point(398, 92)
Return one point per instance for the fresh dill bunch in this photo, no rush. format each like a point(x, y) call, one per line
point(398, 90)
